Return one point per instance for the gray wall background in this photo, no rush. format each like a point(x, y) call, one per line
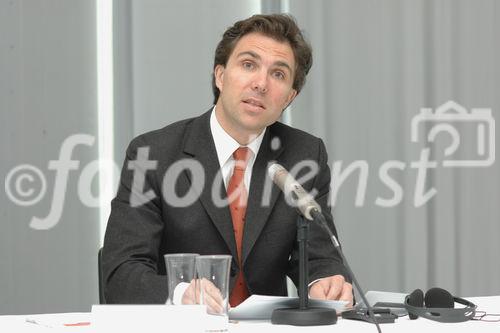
point(376, 64)
point(47, 93)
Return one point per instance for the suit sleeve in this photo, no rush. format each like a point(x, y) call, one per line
point(133, 236)
point(324, 260)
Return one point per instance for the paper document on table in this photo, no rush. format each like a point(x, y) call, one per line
point(259, 307)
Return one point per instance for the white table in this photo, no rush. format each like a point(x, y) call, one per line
point(489, 304)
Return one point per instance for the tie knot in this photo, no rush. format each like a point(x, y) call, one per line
point(241, 156)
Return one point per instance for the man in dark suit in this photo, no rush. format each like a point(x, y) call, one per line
point(174, 180)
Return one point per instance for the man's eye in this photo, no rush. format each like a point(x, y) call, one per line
point(279, 75)
point(247, 65)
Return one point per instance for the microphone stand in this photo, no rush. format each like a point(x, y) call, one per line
point(303, 315)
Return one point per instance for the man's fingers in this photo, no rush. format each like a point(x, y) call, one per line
point(212, 297)
point(346, 294)
point(212, 291)
point(197, 292)
point(318, 290)
point(336, 285)
point(189, 296)
point(213, 306)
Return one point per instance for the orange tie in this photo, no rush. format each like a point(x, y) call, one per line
point(238, 197)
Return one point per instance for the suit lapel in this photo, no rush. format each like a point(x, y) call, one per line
point(199, 143)
point(263, 193)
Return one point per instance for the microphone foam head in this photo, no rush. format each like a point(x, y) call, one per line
point(273, 168)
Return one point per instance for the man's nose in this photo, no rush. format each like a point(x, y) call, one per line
point(259, 83)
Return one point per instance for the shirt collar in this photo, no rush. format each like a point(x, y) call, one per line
point(225, 145)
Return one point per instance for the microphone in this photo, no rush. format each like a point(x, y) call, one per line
point(293, 191)
point(311, 210)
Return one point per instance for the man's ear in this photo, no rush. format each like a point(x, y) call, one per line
point(291, 97)
point(219, 76)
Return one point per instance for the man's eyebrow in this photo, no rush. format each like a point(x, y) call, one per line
point(283, 64)
point(250, 53)
point(256, 56)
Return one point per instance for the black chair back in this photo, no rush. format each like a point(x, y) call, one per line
point(99, 271)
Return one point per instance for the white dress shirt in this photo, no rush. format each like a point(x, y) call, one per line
point(225, 146)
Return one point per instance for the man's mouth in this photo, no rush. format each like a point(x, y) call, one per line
point(254, 102)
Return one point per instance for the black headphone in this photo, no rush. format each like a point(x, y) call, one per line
point(439, 306)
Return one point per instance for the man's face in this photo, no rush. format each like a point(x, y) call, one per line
point(255, 85)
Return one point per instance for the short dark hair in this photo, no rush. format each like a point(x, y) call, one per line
point(281, 27)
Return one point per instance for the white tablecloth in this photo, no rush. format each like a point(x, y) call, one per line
point(489, 304)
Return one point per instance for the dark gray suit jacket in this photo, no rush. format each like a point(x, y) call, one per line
point(138, 237)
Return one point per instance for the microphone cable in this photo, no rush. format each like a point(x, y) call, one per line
point(316, 214)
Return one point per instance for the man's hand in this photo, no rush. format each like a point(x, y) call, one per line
point(212, 296)
point(332, 288)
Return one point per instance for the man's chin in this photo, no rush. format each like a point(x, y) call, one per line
point(253, 126)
